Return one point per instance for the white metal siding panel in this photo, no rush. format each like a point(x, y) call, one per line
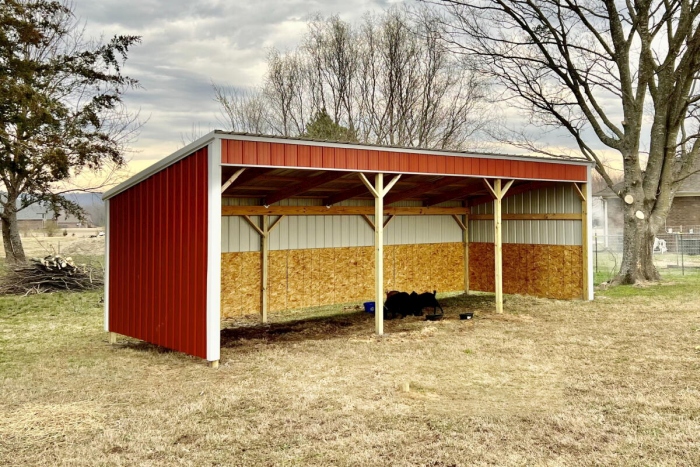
point(236, 233)
point(559, 199)
point(298, 232)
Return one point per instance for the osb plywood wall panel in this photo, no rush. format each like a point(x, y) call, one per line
point(277, 281)
point(323, 276)
point(240, 276)
point(549, 271)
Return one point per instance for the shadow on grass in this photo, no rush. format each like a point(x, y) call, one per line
point(342, 324)
point(323, 323)
point(142, 346)
point(313, 328)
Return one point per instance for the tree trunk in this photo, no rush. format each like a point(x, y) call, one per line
point(638, 244)
point(14, 252)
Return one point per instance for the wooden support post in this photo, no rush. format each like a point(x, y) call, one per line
point(214, 364)
point(379, 254)
point(582, 192)
point(498, 193)
point(112, 337)
point(379, 192)
point(465, 239)
point(265, 262)
point(584, 239)
point(463, 224)
point(498, 242)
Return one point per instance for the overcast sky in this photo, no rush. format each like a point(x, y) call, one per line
point(188, 44)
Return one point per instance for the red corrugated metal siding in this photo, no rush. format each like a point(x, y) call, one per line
point(157, 257)
point(297, 155)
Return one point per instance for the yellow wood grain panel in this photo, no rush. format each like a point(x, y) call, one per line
point(240, 283)
point(278, 280)
point(300, 278)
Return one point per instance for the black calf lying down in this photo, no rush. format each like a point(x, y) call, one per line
point(402, 304)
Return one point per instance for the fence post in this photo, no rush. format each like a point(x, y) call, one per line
point(595, 237)
point(682, 259)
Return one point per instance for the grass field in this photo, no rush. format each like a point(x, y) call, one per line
point(613, 382)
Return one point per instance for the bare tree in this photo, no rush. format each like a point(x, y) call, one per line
point(285, 93)
point(331, 51)
point(243, 110)
point(389, 80)
point(589, 66)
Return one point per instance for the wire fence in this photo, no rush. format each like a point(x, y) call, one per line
point(674, 254)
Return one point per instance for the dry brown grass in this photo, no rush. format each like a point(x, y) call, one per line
point(614, 382)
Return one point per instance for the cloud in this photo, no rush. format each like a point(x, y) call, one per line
point(186, 45)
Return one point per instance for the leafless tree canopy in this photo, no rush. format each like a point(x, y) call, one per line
point(593, 67)
point(389, 80)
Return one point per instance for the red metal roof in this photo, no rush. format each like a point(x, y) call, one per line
point(247, 150)
point(298, 155)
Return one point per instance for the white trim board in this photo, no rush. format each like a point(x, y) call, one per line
point(106, 278)
point(213, 328)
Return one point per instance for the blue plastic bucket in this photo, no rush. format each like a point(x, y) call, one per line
point(369, 307)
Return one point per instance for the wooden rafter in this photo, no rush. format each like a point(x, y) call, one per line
point(232, 179)
point(461, 192)
point(302, 187)
point(345, 195)
point(428, 185)
point(250, 174)
point(338, 211)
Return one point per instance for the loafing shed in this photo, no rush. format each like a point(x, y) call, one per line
point(238, 223)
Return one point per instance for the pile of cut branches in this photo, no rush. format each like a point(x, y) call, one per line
point(48, 274)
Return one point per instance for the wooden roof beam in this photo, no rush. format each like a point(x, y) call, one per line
point(463, 191)
point(421, 188)
point(248, 175)
point(359, 190)
point(302, 187)
point(338, 211)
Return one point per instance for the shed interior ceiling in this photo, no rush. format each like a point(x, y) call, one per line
point(274, 185)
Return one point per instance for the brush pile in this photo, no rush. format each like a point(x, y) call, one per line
point(48, 274)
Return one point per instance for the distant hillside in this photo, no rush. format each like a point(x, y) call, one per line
point(92, 204)
point(85, 200)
